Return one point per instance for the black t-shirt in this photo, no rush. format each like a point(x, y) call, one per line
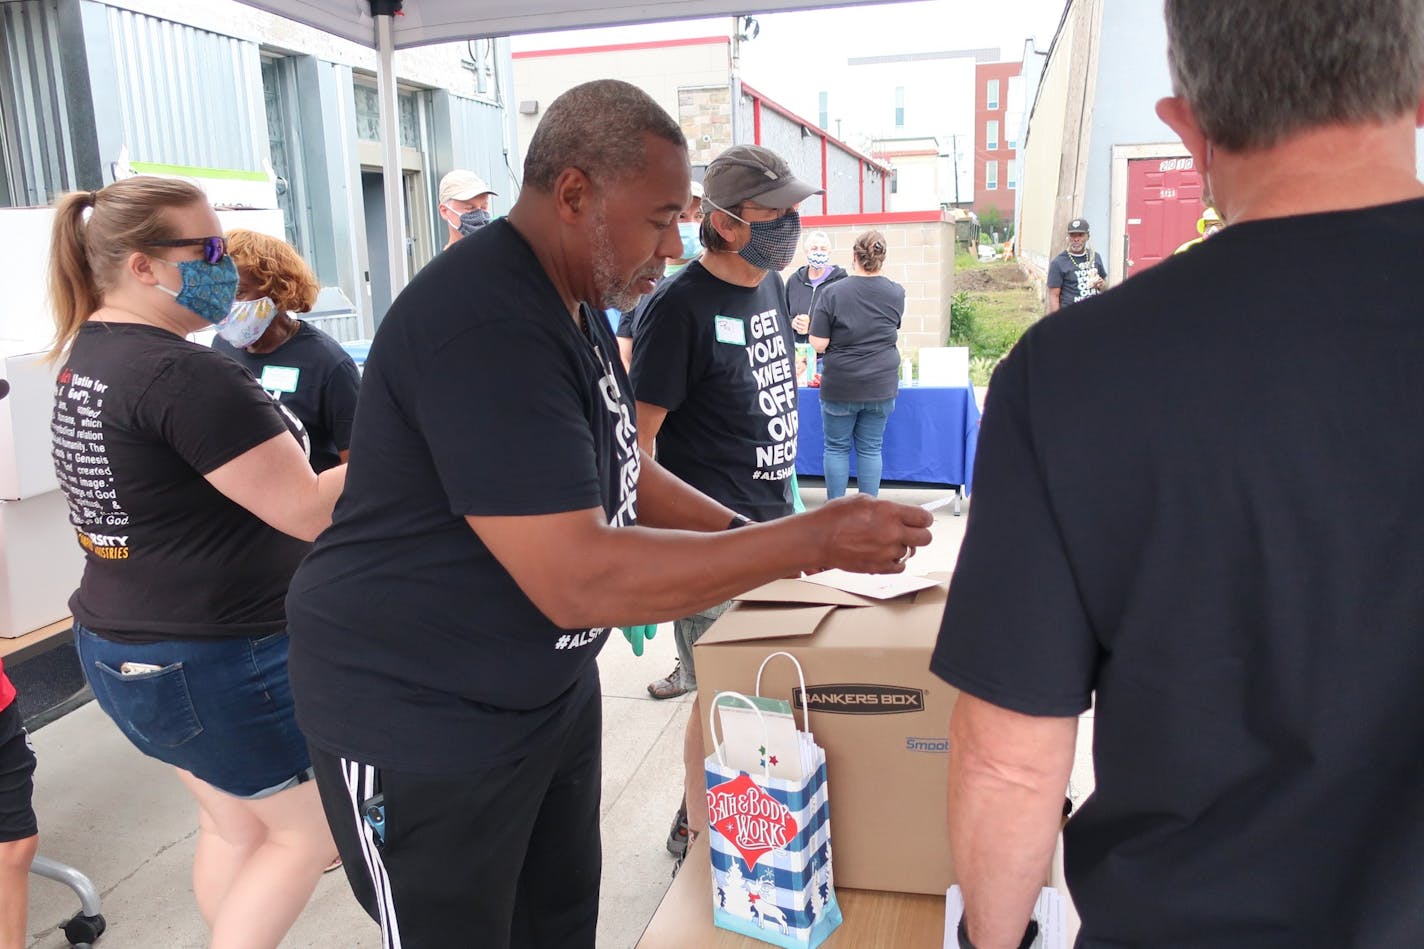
point(1074, 275)
point(802, 292)
point(314, 378)
point(719, 358)
point(140, 416)
point(412, 647)
point(861, 318)
point(1198, 496)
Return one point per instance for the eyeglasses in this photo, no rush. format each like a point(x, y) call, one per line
point(214, 248)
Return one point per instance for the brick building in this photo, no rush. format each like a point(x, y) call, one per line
point(995, 139)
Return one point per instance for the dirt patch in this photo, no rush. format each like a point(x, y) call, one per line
point(998, 276)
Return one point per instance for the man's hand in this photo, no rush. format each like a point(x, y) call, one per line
point(801, 324)
point(864, 535)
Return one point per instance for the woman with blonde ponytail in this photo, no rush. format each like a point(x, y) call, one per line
point(193, 500)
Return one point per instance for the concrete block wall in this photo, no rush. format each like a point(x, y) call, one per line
point(919, 257)
point(705, 114)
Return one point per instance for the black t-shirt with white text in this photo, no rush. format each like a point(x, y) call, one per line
point(719, 358)
point(140, 416)
point(313, 377)
point(861, 318)
point(1196, 504)
point(412, 647)
point(1073, 275)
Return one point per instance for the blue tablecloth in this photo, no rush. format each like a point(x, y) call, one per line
point(930, 438)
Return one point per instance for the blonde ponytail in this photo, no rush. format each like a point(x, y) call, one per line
point(72, 293)
point(87, 255)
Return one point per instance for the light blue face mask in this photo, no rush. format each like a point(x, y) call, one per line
point(207, 289)
point(690, 232)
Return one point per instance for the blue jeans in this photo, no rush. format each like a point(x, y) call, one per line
point(219, 708)
point(863, 423)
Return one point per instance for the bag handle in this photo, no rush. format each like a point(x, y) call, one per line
point(805, 709)
point(716, 739)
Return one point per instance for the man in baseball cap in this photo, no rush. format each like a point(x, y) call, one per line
point(1078, 272)
point(714, 378)
point(464, 203)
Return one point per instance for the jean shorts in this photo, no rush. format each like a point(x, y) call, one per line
point(220, 709)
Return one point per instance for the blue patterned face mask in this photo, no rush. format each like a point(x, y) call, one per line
point(208, 289)
point(818, 258)
point(691, 241)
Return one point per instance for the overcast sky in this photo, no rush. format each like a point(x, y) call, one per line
point(792, 44)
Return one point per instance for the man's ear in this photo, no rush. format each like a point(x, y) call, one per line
point(1419, 113)
point(572, 194)
point(1179, 117)
point(725, 225)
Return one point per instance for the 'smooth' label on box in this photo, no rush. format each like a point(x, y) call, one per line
point(861, 699)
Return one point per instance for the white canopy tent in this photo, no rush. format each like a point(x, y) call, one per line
point(389, 25)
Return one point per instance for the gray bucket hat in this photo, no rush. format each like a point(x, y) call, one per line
point(752, 173)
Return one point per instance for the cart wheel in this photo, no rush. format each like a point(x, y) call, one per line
point(82, 931)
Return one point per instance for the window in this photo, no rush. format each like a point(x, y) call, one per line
point(991, 135)
point(991, 176)
point(824, 111)
point(993, 95)
point(899, 107)
point(1013, 170)
point(1011, 144)
point(368, 115)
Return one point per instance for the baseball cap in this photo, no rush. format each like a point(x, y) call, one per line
point(697, 189)
point(1077, 226)
point(462, 185)
point(752, 173)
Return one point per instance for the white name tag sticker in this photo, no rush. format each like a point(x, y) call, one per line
point(280, 378)
point(731, 330)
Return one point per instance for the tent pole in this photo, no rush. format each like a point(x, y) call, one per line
point(390, 147)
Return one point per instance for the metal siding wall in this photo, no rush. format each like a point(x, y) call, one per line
point(188, 97)
point(844, 187)
point(480, 142)
point(39, 140)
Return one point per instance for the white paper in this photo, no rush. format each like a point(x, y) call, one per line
point(938, 503)
point(944, 366)
point(874, 585)
point(1051, 913)
point(742, 738)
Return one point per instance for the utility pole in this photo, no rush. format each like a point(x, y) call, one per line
point(954, 153)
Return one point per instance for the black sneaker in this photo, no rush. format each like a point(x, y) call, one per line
point(677, 835)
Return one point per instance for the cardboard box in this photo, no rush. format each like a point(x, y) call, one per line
point(877, 710)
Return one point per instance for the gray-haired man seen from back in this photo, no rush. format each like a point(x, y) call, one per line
point(1197, 499)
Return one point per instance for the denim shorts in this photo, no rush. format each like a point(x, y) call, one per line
point(219, 708)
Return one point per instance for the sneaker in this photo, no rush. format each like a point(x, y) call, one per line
point(672, 685)
point(682, 857)
point(677, 834)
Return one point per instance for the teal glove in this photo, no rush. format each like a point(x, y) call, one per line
point(797, 505)
point(636, 635)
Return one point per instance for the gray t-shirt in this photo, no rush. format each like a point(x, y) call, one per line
point(861, 318)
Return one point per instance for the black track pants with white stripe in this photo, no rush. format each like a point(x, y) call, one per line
point(507, 856)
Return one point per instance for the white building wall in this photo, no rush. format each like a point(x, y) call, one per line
point(660, 72)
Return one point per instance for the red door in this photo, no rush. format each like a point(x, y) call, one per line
point(1164, 201)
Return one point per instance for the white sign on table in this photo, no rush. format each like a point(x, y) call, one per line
point(944, 366)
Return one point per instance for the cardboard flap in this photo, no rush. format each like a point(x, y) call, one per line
point(766, 622)
point(799, 591)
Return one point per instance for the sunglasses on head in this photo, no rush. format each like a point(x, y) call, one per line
point(214, 248)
